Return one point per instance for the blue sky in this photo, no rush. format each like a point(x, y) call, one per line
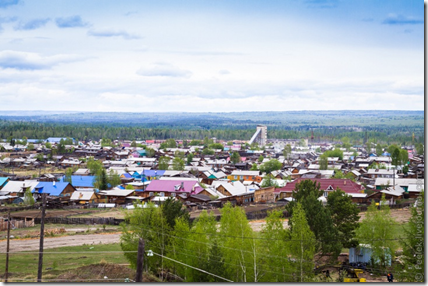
point(217, 55)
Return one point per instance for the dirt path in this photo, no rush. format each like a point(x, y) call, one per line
point(17, 245)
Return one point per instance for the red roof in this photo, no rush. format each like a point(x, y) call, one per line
point(346, 185)
point(169, 186)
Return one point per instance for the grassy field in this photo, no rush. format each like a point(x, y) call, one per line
point(52, 230)
point(59, 261)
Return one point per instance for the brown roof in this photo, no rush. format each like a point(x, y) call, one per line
point(346, 185)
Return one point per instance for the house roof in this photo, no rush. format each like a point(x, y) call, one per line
point(81, 196)
point(172, 186)
point(17, 186)
point(82, 181)
point(51, 188)
point(3, 180)
point(346, 185)
point(153, 173)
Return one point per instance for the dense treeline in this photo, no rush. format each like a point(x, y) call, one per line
point(242, 131)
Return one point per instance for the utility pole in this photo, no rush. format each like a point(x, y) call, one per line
point(7, 247)
point(140, 261)
point(42, 233)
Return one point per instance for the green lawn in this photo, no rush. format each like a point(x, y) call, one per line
point(24, 265)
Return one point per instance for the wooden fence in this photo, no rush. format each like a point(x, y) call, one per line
point(87, 221)
point(16, 224)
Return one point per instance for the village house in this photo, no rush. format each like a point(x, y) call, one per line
point(239, 175)
point(351, 188)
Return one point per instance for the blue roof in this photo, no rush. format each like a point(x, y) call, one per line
point(386, 154)
point(56, 139)
point(3, 180)
point(50, 188)
point(153, 173)
point(81, 181)
point(126, 175)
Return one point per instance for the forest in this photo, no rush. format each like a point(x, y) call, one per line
point(402, 127)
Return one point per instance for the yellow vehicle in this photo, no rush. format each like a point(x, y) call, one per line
point(353, 276)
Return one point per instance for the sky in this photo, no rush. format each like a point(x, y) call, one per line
point(211, 55)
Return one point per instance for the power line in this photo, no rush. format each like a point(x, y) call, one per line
point(201, 270)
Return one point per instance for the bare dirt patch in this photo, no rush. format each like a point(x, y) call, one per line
point(257, 225)
point(17, 245)
point(50, 213)
point(400, 215)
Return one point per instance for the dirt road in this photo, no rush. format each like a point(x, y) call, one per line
point(17, 245)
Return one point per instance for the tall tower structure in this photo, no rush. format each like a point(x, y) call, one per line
point(260, 137)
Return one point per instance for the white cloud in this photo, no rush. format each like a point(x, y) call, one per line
point(33, 61)
point(164, 70)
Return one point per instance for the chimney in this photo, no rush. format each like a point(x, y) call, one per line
point(53, 183)
point(344, 182)
point(182, 185)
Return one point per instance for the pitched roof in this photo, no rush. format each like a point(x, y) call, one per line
point(3, 180)
point(83, 181)
point(17, 186)
point(172, 186)
point(51, 188)
point(346, 185)
point(153, 173)
point(81, 196)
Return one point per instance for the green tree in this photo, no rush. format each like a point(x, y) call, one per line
point(28, 198)
point(270, 166)
point(30, 147)
point(235, 158)
point(244, 262)
point(150, 224)
point(287, 151)
point(377, 230)
point(277, 250)
point(129, 187)
point(68, 173)
point(229, 143)
point(94, 166)
point(413, 244)
point(48, 145)
point(189, 158)
point(334, 153)
point(395, 156)
point(163, 163)
point(323, 161)
point(269, 181)
point(208, 151)
point(345, 217)
point(113, 179)
point(150, 152)
point(302, 244)
point(133, 144)
point(261, 158)
point(101, 182)
point(40, 157)
point(379, 149)
point(404, 156)
point(346, 143)
point(195, 142)
point(319, 218)
point(170, 143)
point(254, 167)
point(172, 210)
point(178, 164)
point(420, 148)
point(216, 146)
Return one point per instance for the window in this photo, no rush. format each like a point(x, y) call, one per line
point(162, 194)
point(325, 194)
point(151, 194)
point(236, 177)
point(172, 194)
